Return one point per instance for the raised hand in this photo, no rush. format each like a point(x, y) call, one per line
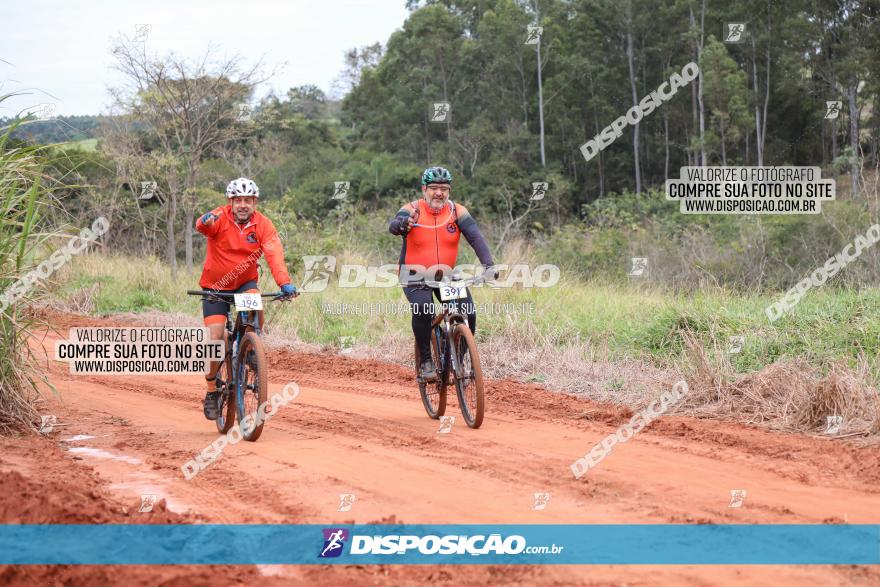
point(210, 218)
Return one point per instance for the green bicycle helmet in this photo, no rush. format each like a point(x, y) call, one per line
point(436, 175)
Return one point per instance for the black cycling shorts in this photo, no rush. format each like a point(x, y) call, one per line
point(218, 308)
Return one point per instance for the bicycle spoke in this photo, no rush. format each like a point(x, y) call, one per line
point(466, 377)
point(250, 384)
point(433, 394)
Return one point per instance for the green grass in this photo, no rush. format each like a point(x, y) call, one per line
point(829, 324)
point(27, 202)
point(88, 145)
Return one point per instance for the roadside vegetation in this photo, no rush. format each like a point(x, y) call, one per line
point(26, 227)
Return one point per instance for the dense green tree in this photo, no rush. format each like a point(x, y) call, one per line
point(726, 94)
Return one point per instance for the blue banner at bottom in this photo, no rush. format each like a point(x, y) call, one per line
point(149, 544)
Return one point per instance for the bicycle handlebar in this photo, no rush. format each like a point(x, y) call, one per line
point(469, 281)
point(220, 294)
point(475, 280)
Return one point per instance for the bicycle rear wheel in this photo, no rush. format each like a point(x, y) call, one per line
point(254, 384)
point(469, 376)
point(433, 394)
point(226, 386)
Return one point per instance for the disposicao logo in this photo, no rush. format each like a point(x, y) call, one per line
point(433, 544)
point(334, 541)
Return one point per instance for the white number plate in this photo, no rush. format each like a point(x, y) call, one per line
point(453, 291)
point(248, 301)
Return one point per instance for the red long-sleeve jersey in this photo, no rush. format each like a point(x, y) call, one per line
point(234, 249)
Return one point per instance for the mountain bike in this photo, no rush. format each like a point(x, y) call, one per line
point(456, 358)
point(243, 376)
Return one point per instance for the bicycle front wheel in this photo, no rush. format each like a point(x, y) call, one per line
point(226, 385)
point(468, 376)
point(253, 381)
point(433, 394)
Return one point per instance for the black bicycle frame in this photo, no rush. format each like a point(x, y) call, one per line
point(235, 331)
point(447, 321)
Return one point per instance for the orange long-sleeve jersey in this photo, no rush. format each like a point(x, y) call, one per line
point(234, 249)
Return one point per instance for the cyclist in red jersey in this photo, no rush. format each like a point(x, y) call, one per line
point(431, 229)
point(237, 236)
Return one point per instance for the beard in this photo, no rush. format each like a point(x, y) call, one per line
point(437, 203)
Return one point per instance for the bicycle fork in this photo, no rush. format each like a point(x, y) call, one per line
point(451, 355)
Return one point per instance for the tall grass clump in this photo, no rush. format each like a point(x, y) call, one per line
point(25, 196)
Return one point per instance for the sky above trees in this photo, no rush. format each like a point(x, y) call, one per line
point(59, 52)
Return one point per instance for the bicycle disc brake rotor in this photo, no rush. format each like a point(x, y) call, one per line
point(464, 360)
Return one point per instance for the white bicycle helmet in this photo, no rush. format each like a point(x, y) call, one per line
point(242, 187)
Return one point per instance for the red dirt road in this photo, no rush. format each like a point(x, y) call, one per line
point(358, 427)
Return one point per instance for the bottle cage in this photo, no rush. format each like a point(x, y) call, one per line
point(451, 215)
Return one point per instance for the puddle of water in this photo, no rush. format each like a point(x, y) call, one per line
point(104, 454)
point(137, 483)
point(77, 438)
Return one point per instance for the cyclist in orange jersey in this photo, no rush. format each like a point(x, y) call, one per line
point(238, 236)
point(431, 229)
